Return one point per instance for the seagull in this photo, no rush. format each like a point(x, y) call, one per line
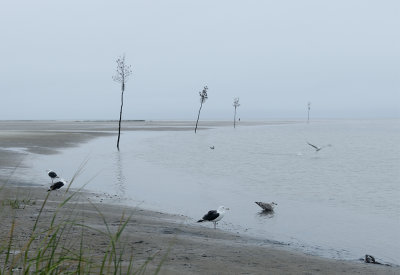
point(212, 147)
point(52, 175)
point(267, 207)
point(57, 185)
point(317, 148)
point(214, 215)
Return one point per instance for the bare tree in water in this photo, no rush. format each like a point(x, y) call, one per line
point(235, 104)
point(203, 98)
point(123, 72)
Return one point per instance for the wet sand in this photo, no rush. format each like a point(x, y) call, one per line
point(187, 248)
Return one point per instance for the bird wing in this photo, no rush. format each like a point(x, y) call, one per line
point(316, 147)
point(211, 215)
point(57, 185)
point(265, 206)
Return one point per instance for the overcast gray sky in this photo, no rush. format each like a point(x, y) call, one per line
point(57, 58)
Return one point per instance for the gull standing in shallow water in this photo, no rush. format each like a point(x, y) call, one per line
point(267, 207)
point(214, 215)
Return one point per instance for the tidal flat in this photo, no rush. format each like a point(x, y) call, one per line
point(171, 243)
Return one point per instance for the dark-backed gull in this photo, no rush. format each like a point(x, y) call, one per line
point(52, 175)
point(57, 185)
point(214, 215)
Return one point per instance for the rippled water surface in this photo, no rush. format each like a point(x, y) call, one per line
point(341, 202)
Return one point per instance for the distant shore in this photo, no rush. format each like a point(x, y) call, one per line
point(188, 249)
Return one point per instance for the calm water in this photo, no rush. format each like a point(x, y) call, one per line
point(342, 202)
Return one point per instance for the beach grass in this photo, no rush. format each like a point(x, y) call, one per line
point(59, 241)
point(17, 203)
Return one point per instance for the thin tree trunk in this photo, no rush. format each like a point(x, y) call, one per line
point(120, 114)
point(198, 116)
point(234, 119)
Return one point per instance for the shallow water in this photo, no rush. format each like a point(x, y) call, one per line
point(342, 202)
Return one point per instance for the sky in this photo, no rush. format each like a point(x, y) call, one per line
point(57, 59)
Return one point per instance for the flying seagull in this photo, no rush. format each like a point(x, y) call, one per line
point(267, 207)
point(317, 148)
point(57, 185)
point(212, 147)
point(214, 215)
point(52, 175)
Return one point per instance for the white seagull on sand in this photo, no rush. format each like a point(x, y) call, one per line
point(267, 207)
point(52, 175)
point(214, 215)
point(317, 148)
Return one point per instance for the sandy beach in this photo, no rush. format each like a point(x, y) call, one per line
point(181, 248)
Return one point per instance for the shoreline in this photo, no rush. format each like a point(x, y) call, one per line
point(183, 248)
point(239, 253)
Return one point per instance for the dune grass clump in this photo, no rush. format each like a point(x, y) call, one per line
point(17, 204)
point(57, 240)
